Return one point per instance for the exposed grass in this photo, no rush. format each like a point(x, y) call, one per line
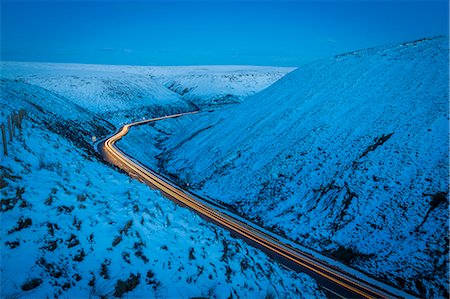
point(21, 224)
point(126, 286)
point(31, 284)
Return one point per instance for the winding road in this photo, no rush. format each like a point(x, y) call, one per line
point(336, 282)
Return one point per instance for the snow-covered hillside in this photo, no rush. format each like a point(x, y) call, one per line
point(73, 227)
point(109, 92)
point(110, 89)
point(217, 85)
point(347, 155)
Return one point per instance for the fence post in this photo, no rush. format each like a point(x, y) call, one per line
point(18, 124)
point(10, 128)
point(21, 116)
point(5, 150)
point(13, 125)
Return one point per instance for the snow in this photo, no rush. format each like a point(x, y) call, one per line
point(347, 156)
point(75, 227)
point(208, 86)
point(108, 91)
point(109, 88)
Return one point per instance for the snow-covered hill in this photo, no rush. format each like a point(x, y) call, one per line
point(73, 227)
point(347, 155)
point(110, 89)
point(217, 85)
point(111, 92)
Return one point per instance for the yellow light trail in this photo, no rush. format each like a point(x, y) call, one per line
point(341, 281)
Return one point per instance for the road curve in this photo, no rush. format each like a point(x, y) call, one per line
point(336, 282)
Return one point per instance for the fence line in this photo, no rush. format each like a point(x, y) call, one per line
point(12, 122)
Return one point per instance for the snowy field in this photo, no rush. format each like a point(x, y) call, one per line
point(347, 156)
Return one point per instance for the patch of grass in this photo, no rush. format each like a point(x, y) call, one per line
point(21, 224)
point(76, 223)
point(81, 197)
point(116, 241)
point(54, 167)
point(52, 269)
point(150, 279)
point(9, 203)
point(65, 209)
point(52, 227)
point(79, 257)
point(126, 257)
point(127, 226)
point(12, 244)
point(377, 142)
point(270, 295)
point(104, 272)
point(347, 255)
point(138, 251)
point(244, 265)
point(31, 284)
point(6, 173)
point(122, 231)
point(437, 199)
point(66, 286)
point(126, 286)
point(191, 253)
point(228, 273)
point(225, 251)
point(72, 241)
point(51, 245)
point(24, 204)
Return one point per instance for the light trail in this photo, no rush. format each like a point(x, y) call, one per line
point(334, 280)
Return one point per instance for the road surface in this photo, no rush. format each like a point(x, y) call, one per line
point(336, 282)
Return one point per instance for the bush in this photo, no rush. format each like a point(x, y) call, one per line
point(31, 284)
point(126, 286)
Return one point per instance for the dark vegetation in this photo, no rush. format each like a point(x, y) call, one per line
point(125, 286)
point(31, 284)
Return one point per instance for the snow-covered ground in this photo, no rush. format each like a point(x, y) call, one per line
point(347, 155)
point(90, 100)
point(73, 227)
point(107, 89)
point(110, 92)
point(208, 86)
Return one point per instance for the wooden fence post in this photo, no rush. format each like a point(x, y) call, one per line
point(5, 150)
point(13, 125)
point(18, 123)
point(10, 128)
point(22, 114)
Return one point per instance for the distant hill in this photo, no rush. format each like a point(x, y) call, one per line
point(111, 92)
point(208, 86)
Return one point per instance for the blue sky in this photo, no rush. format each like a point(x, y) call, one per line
point(284, 33)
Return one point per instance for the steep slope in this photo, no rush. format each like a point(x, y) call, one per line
point(73, 227)
point(347, 155)
point(56, 113)
point(109, 92)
